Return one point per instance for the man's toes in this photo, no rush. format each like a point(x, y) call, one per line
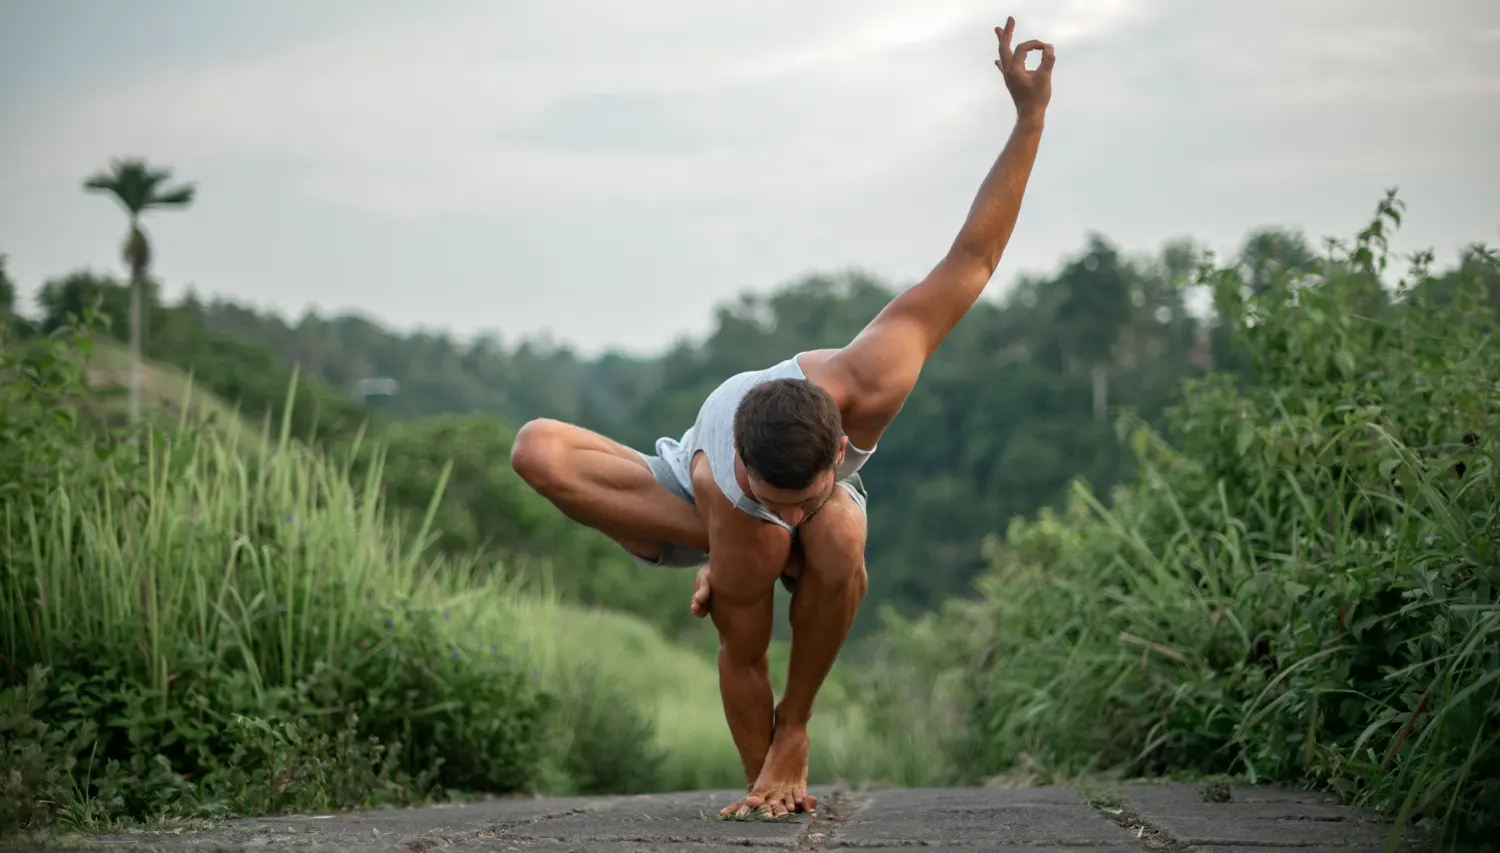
point(778, 806)
point(743, 807)
point(808, 804)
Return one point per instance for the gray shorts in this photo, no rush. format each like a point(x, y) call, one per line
point(678, 556)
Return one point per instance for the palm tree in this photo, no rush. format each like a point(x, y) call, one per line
point(138, 188)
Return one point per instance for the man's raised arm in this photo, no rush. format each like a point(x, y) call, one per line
point(880, 366)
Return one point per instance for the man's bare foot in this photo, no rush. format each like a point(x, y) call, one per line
point(701, 593)
point(782, 786)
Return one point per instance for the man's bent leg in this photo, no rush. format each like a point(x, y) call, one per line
point(826, 598)
point(604, 484)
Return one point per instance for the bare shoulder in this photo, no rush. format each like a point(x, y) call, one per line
point(868, 400)
point(725, 521)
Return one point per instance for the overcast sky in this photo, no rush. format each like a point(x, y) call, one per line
point(608, 171)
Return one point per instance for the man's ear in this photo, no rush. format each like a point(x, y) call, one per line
point(838, 458)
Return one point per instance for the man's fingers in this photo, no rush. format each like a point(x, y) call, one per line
point(701, 591)
point(1048, 58)
point(1027, 47)
point(1004, 34)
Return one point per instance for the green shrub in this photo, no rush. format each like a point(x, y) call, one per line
point(213, 623)
point(35, 758)
point(1301, 586)
point(207, 621)
point(486, 507)
point(612, 748)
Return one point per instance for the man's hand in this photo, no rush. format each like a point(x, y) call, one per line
point(1031, 90)
point(700, 593)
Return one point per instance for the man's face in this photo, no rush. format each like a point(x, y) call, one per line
point(792, 506)
point(795, 506)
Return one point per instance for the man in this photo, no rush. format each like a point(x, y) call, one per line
point(765, 484)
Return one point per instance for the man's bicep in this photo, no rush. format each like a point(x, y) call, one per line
point(885, 359)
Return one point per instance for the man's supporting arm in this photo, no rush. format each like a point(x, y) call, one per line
point(827, 597)
point(879, 367)
point(744, 625)
point(826, 600)
point(745, 557)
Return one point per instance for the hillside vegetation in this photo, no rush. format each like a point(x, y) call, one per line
point(1301, 583)
point(192, 630)
point(1014, 406)
point(1109, 537)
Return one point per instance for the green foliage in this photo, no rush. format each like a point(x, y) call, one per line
point(138, 187)
point(605, 755)
point(440, 375)
point(1300, 586)
point(7, 293)
point(204, 616)
point(487, 507)
point(208, 622)
point(245, 375)
point(35, 758)
point(1001, 423)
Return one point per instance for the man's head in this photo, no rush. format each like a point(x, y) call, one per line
point(790, 437)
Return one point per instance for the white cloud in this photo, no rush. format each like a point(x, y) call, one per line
point(694, 149)
point(412, 121)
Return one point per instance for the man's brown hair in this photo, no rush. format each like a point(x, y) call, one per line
point(787, 432)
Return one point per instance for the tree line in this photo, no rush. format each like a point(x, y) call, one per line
point(1018, 404)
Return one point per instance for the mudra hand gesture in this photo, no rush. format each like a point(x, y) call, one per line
point(1031, 90)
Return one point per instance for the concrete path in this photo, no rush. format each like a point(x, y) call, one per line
point(1135, 817)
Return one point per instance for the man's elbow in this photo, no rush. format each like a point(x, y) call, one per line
point(973, 261)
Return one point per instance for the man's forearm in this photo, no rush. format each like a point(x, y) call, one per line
point(997, 205)
point(744, 625)
point(745, 690)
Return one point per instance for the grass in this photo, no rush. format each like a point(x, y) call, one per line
point(222, 621)
point(169, 398)
point(1299, 587)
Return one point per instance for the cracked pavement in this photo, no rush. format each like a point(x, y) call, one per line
point(1135, 817)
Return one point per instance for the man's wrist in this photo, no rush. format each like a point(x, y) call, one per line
point(1031, 119)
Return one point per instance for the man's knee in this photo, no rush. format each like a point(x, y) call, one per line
point(833, 546)
point(538, 452)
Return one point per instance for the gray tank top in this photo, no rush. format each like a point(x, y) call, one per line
point(713, 433)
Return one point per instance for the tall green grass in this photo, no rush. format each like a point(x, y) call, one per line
point(216, 620)
point(1300, 586)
